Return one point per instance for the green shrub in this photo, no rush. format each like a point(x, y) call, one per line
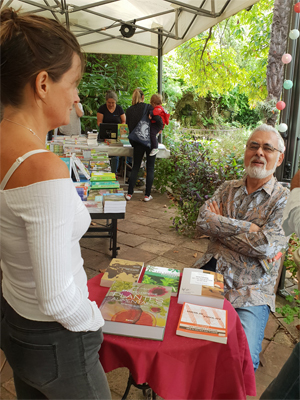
point(192, 173)
point(290, 312)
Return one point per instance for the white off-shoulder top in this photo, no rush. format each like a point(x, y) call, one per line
point(43, 275)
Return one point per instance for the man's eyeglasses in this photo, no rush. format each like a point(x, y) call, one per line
point(268, 148)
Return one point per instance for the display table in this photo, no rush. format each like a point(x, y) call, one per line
point(125, 150)
point(178, 367)
point(110, 228)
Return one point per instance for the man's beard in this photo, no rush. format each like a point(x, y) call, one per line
point(258, 172)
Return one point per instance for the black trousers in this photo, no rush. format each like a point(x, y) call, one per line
point(138, 153)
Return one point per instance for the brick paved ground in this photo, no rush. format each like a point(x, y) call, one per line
point(146, 235)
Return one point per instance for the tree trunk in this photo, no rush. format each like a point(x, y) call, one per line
point(278, 43)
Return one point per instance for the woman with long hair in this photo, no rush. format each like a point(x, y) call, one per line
point(133, 115)
point(50, 330)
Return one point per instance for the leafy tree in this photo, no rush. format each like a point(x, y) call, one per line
point(232, 54)
point(121, 73)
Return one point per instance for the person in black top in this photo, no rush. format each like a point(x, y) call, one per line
point(133, 115)
point(111, 113)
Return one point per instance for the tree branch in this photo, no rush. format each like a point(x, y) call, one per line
point(205, 44)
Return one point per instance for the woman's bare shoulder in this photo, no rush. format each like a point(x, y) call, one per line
point(37, 168)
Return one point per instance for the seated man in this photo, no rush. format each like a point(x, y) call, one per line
point(243, 220)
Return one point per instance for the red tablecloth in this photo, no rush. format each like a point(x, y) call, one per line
point(182, 368)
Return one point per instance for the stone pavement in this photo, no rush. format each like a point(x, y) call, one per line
point(147, 235)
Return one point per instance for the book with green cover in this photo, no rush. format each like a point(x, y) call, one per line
point(101, 178)
point(136, 309)
point(105, 185)
point(162, 276)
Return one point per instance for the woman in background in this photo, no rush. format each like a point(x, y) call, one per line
point(111, 113)
point(133, 115)
point(74, 126)
point(50, 330)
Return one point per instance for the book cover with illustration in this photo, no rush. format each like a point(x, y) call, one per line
point(136, 309)
point(105, 185)
point(162, 276)
point(121, 270)
point(123, 133)
point(199, 322)
point(202, 287)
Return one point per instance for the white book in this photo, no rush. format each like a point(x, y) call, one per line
point(201, 287)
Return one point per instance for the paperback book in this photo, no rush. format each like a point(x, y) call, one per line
point(136, 309)
point(105, 185)
point(199, 322)
point(121, 270)
point(162, 276)
point(114, 203)
point(202, 287)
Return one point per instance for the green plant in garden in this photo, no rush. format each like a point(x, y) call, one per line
point(192, 174)
point(289, 262)
point(290, 312)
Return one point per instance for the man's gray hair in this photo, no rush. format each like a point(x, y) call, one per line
point(269, 128)
point(110, 94)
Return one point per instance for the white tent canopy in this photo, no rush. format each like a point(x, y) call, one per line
point(160, 25)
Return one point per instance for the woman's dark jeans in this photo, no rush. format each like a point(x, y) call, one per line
point(138, 153)
point(50, 362)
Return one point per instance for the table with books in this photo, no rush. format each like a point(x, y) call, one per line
point(180, 367)
point(101, 193)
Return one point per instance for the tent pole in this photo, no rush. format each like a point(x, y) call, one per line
point(159, 69)
point(159, 63)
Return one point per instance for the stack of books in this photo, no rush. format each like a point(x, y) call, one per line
point(94, 206)
point(93, 193)
point(82, 189)
point(92, 138)
point(104, 180)
point(114, 203)
point(99, 161)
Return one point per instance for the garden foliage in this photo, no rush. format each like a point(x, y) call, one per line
point(193, 172)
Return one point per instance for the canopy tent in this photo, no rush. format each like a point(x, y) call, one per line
point(156, 26)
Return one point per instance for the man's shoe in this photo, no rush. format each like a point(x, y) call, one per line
point(128, 196)
point(148, 198)
point(153, 152)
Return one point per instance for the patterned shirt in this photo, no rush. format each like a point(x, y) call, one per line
point(242, 256)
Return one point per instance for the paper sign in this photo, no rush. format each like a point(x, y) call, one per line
point(200, 278)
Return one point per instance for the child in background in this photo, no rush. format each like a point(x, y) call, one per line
point(159, 118)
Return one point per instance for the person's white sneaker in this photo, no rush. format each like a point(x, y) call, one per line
point(148, 198)
point(128, 196)
point(153, 152)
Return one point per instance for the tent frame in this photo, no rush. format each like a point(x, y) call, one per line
point(62, 7)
